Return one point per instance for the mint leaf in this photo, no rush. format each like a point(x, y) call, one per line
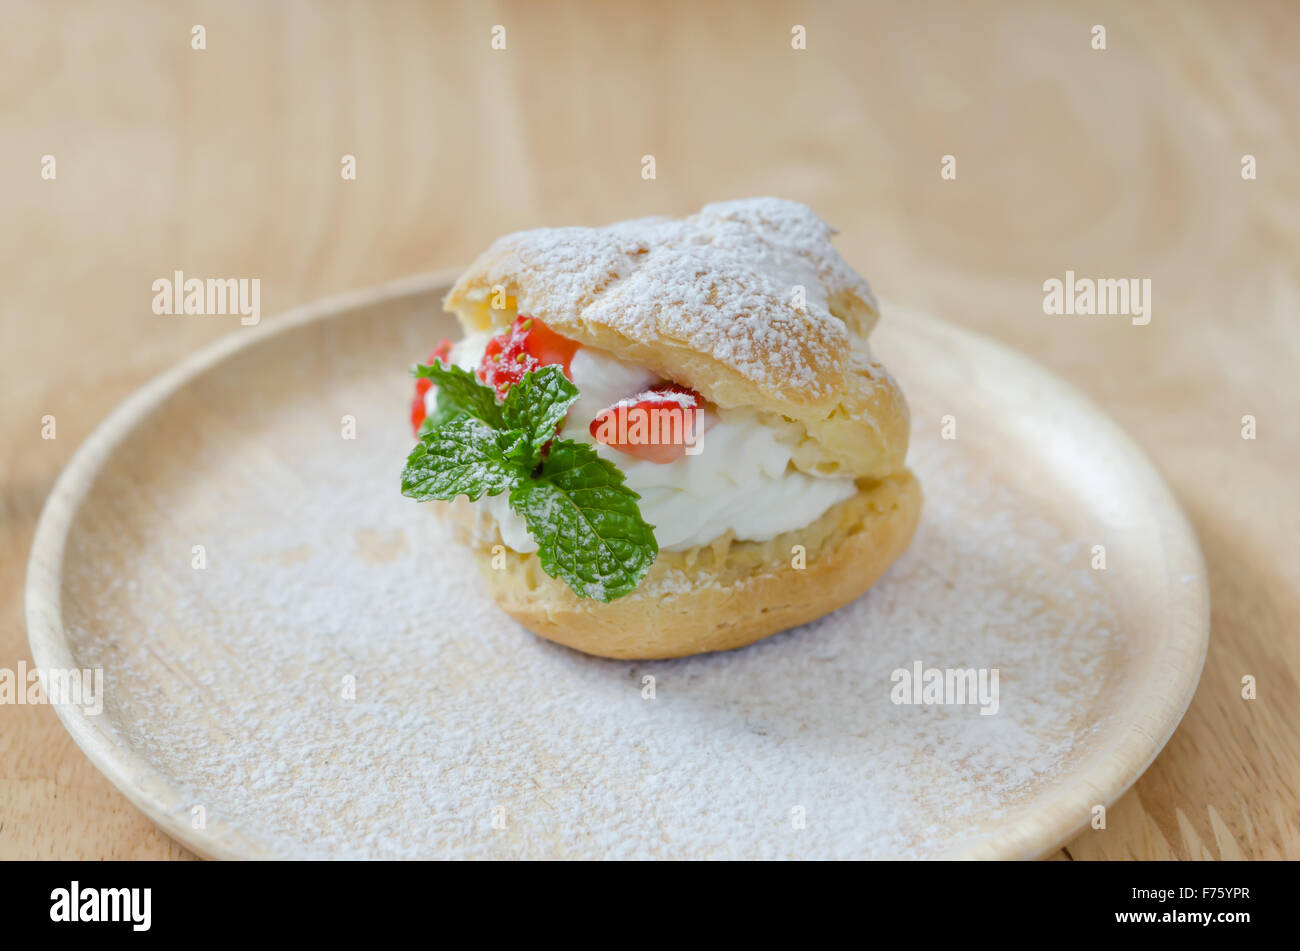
point(537, 404)
point(465, 457)
point(460, 391)
point(588, 528)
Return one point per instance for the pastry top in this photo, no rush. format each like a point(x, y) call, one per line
point(746, 302)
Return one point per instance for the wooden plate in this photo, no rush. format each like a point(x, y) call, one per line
point(298, 662)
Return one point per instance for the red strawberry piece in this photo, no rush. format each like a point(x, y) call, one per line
point(417, 412)
point(527, 345)
point(549, 347)
point(655, 425)
point(441, 352)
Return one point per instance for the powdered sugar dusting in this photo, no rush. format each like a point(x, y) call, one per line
point(664, 396)
point(721, 282)
point(469, 737)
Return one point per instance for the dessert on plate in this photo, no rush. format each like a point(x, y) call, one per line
point(667, 436)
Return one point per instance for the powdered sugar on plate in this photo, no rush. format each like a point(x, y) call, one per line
point(334, 681)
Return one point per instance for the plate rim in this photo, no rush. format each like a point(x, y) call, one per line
point(1039, 833)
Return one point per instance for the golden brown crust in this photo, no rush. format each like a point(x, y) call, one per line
point(721, 596)
point(746, 302)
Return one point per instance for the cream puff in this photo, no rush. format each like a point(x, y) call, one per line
point(666, 436)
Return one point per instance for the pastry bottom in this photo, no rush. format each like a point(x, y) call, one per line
point(719, 596)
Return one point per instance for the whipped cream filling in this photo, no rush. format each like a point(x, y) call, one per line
point(741, 481)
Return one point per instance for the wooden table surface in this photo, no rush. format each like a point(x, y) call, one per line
point(1125, 162)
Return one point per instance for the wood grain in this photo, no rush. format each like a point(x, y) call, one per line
point(1117, 163)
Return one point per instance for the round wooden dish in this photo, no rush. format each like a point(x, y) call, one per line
point(298, 663)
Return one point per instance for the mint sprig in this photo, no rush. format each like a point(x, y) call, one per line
point(588, 528)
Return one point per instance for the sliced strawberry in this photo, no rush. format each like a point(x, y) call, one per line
point(417, 412)
point(549, 347)
point(654, 425)
point(527, 345)
point(441, 352)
